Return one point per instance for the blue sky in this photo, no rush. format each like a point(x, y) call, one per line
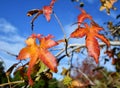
point(15, 25)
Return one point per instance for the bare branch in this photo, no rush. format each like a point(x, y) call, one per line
point(76, 46)
point(10, 83)
point(112, 43)
point(85, 76)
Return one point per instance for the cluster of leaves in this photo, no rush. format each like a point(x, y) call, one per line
point(42, 62)
point(114, 54)
point(114, 29)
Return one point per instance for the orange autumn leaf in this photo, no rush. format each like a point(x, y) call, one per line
point(79, 32)
point(83, 16)
point(91, 33)
point(40, 51)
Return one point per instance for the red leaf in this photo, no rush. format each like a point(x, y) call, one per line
point(78, 33)
point(83, 16)
point(93, 47)
point(47, 11)
point(103, 39)
point(36, 51)
point(91, 33)
point(52, 3)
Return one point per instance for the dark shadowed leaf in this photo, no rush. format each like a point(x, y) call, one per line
point(8, 72)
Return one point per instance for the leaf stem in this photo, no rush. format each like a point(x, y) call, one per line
point(62, 28)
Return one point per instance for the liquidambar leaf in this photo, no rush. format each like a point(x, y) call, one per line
point(83, 16)
point(93, 47)
point(91, 33)
point(46, 10)
point(40, 51)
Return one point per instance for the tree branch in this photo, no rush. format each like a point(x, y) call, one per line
point(90, 81)
point(10, 83)
point(76, 46)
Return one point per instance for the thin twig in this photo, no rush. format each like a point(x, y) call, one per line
point(34, 18)
point(56, 49)
point(115, 30)
point(9, 53)
point(71, 59)
point(10, 83)
point(59, 22)
point(85, 76)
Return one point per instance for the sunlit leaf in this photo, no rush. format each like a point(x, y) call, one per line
point(107, 4)
point(47, 11)
point(91, 33)
point(93, 47)
point(83, 16)
point(37, 52)
point(78, 34)
point(78, 84)
point(67, 80)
